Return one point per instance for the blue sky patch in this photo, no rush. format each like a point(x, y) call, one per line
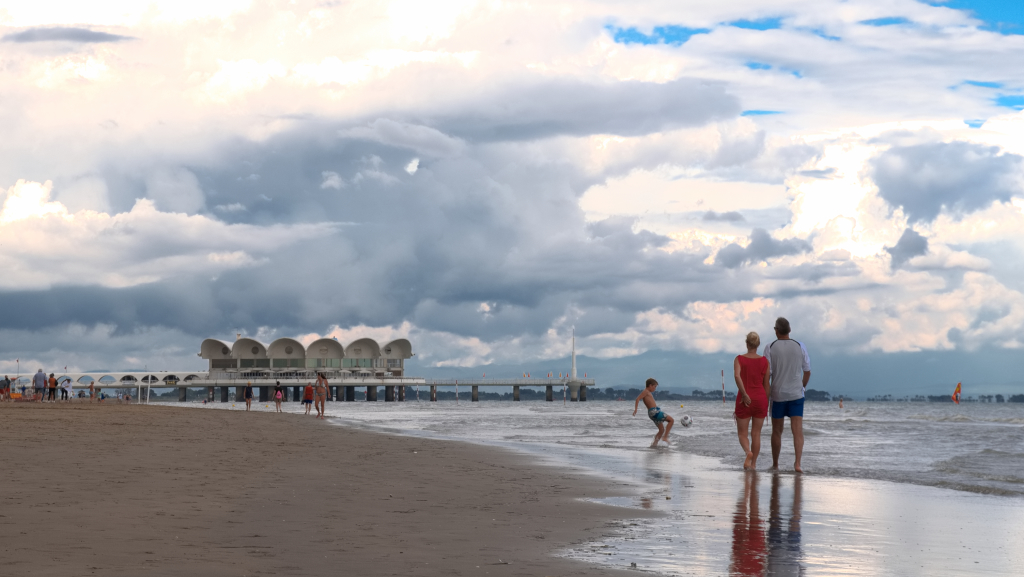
point(761, 24)
point(1015, 102)
point(981, 84)
point(671, 35)
point(758, 66)
point(1005, 16)
point(759, 112)
point(890, 21)
point(977, 123)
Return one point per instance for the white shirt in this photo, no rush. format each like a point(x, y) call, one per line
point(787, 361)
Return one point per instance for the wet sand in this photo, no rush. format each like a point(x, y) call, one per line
point(148, 490)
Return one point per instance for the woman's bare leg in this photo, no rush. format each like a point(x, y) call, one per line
point(755, 440)
point(741, 431)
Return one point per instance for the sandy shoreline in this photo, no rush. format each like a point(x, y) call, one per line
point(132, 490)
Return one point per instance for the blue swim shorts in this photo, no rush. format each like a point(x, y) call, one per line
point(656, 415)
point(307, 401)
point(782, 409)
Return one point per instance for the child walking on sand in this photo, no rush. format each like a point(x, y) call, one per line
point(654, 413)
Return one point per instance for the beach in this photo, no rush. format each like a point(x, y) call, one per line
point(157, 490)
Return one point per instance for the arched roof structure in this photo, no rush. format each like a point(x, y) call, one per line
point(397, 349)
point(325, 349)
point(286, 348)
point(215, 349)
point(363, 349)
point(246, 348)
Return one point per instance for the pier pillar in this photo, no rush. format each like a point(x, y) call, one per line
point(182, 394)
point(476, 393)
point(264, 394)
point(401, 393)
point(583, 393)
point(433, 393)
point(296, 394)
point(209, 394)
point(549, 396)
point(350, 394)
point(389, 394)
point(223, 394)
point(239, 394)
point(371, 393)
point(574, 394)
point(333, 394)
point(515, 392)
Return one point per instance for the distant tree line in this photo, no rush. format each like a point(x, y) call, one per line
point(946, 399)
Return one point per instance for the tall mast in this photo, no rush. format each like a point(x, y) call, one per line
point(574, 353)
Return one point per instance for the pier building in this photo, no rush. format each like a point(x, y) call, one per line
point(288, 358)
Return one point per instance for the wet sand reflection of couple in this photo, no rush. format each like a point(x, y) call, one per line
point(777, 551)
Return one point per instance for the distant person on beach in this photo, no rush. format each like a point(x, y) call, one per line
point(751, 373)
point(5, 388)
point(65, 389)
point(248, 395)
point(654, 413)
point(39, 385)
point(92, 391)
point(790, 370)
point(53, 389)
point(278, 396)
point(307, 397)
point(321, 395)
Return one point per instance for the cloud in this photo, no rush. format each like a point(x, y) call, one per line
point(910, 244)
point(958, 177)
point(422, 139)
point(729, 216)
point(761, 248)
point(64, 34)
point(331, 180)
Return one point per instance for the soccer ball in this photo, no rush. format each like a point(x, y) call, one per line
point(686, 421)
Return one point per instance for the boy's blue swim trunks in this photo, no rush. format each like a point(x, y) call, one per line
point(655, 414)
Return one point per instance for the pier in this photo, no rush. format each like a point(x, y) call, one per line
point(341, 385)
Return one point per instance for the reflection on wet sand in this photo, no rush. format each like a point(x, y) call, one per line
point(780, 554)
point(784, 551)
point(749, 553)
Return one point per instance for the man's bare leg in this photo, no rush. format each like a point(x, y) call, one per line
point(670, 421)
point(741, 431)
point(797, 425)
point(657, 436)
point(777, 426)
point(755, 440)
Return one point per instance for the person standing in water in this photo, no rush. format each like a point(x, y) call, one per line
point(321, 395)
point(278, 396)
point(248, 395)
point(840, 401)
point(654, 412)
point(751, 373)
point(790, 369)
point(307, 397)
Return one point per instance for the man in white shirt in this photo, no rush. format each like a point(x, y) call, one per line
point(790, 370)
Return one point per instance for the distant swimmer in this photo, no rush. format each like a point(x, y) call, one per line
point(248, 395)
point(654, 413)
point(790, 369)
point(751, 373)
point(840, 401)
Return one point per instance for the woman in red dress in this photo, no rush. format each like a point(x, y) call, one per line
point(751, 372)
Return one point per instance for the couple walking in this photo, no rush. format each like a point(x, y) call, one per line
point(781, 375)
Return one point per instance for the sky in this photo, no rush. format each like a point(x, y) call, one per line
point(486, 177)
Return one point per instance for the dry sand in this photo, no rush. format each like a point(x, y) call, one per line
point(146, 490)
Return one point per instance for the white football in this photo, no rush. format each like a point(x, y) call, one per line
point(686, 421)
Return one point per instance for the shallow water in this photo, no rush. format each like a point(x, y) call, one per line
point(890, 489)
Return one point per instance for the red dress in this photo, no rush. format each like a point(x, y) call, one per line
point(752, 374)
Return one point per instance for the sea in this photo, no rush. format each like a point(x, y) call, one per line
point(890, 488)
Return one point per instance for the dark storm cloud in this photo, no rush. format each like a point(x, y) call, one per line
point(761, 248)
point(959, 177)
point(730, 216)
point(909, 245)
point(578, 108)
point(63, 34)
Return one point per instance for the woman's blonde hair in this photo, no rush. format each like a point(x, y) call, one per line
point(753, 340)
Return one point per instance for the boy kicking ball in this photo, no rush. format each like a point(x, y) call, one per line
point(654, 412)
